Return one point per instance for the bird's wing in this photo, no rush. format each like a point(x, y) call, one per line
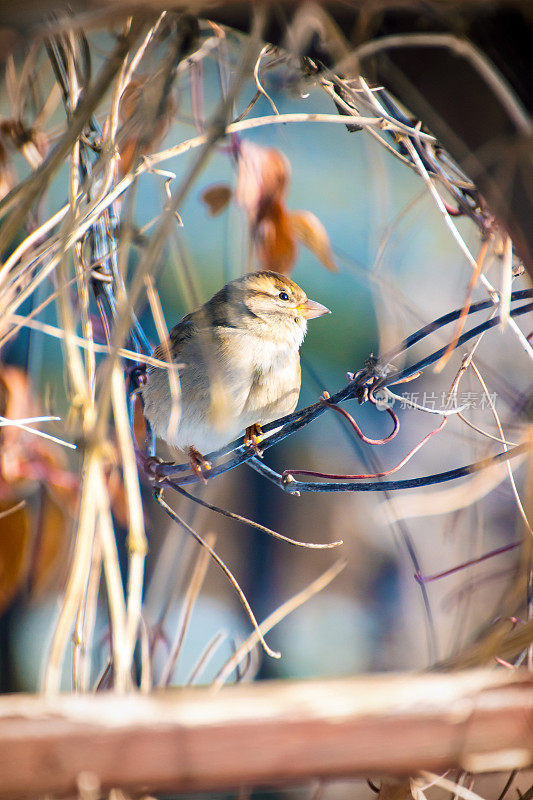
point(178, 337)
point(231, 363)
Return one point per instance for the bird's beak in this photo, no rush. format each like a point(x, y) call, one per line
point(311, 309)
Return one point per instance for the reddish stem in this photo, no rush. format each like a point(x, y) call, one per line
point(503, 663)
point(355, 426)
point(421, 579)
point(404, 460)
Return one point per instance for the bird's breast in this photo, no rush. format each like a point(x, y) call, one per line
point(275, 385)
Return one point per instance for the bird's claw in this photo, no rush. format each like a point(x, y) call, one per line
point(252, 436)
point(198, 464)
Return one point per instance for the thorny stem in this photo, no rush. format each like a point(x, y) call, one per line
point(293, 487)
point(451, 316)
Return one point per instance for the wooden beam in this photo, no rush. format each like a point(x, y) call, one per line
point(266, 733)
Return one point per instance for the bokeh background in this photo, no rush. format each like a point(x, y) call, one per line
point(398, 268)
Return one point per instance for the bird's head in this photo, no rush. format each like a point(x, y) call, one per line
point(272, 300)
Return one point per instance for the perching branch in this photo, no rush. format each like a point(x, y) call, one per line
point(375, 375)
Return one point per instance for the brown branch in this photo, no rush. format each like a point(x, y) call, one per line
point(275, 732)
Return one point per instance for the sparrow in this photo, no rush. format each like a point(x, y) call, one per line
point(238, 364)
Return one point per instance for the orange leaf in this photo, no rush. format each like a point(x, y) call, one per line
point(32, 546)
point(263, 179)
point(15, 550)
point(143, 134)
point(129, 100)
point(117, 496)
point(51, 546)
point(6, 175)
point(23, 456)
point(128, 151)
point(310, 231)
point(216, 198)
point(275, 241)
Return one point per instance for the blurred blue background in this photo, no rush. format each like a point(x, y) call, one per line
point(398, 269)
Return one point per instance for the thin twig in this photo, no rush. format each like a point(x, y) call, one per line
point(193, 590)
point(137, 542)
point(273, 619)
point(257, 525)
point(158, 494)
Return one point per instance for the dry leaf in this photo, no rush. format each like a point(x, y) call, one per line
point(117, 496)
point(216, 198)
point(15, 551)
point(50, 546)
point(33, 545)
point(143, 133)
point(310, 231)
point(276, 246)
point(263, 181)
point(395, 789)
point(7, 179)
point(25, 457)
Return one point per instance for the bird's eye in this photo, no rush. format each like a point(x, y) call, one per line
point(283, 296)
